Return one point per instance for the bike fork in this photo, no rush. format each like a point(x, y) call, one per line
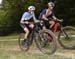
point(64, 33)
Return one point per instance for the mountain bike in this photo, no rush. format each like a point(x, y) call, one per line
point(42, 42)
point(66, 36)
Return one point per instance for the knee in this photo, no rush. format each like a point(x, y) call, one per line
point(26, 30)
point(31, 26)
point(52, 22)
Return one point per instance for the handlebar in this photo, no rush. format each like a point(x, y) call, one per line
point(39, 23)
point(60, 20)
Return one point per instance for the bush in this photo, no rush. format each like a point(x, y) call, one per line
point(13, 10)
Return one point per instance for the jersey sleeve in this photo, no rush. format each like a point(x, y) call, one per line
point(42, 13)
point(24, 16)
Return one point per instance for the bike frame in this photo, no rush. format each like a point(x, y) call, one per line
point(59, 24)
point(34, 31)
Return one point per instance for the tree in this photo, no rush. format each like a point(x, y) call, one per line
point(12, 11)
point(66, 9)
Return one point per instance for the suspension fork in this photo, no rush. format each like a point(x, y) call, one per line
point(63, 32)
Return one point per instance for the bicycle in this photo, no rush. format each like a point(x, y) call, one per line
point(66, 36)
point(34, 35)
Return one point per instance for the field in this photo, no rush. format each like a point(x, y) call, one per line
point(9, 49)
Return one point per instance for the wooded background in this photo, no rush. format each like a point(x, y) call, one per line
point(12, 10)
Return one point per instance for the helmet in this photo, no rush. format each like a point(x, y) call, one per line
point(51, 3)
point(31, 8)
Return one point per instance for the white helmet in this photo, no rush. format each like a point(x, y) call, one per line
point(51, 3)
point(31, 8)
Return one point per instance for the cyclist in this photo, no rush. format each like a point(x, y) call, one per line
point(26, 19)
point(47, 15)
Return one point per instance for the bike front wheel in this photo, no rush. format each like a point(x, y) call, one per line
point(66, 37)
point(22, 44)
point(46, 42)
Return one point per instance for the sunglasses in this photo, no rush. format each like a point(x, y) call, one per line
point(51, 6)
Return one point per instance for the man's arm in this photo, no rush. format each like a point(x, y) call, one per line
point(23, 18)
point(44, 17)
point(54, 17)
point(24, 22)
point(34, 18)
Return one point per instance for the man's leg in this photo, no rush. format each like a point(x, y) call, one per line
point(43, 25)
point(31, 26)
point(51, 24)
point(26, 30)
point(26, 33)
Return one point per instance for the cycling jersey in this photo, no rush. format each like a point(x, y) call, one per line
point(27, 16)
point(48, 15)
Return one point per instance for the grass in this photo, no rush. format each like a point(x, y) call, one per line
point(20, 55)
point(11, 50)
point(11, 36)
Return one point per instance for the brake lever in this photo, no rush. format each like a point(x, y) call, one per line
point(60, 20)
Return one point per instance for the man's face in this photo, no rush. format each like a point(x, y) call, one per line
point(31, 11)
point(50, 6)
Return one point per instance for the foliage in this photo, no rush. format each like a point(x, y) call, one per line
point(66, 9)
point(12, 11)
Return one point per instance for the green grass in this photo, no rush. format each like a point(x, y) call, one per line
point(20, 55)
point(11, 50)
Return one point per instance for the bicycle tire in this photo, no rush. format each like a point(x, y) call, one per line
point(66, 38)
point(20, 40)
point(39, 40)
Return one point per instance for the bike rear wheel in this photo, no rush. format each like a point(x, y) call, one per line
point(46, 46)
point(66, 37)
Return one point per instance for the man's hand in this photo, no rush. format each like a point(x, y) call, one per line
point(36, 21)
point(26, 22)
point(60, 20)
